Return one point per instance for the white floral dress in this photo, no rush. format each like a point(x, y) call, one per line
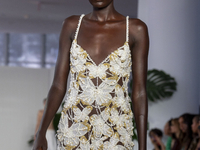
point(97, 113)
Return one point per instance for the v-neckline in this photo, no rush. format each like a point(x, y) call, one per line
point(94, 63)
point(88, 55)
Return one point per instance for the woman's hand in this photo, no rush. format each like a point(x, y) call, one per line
point(40, 142)
point(154, 142)
point(159, 142)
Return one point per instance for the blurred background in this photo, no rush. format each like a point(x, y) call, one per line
point(29, 34)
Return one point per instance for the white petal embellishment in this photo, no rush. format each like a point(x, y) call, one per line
point(81, 115)
point(97, 112)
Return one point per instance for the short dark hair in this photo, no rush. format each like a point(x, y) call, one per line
point(156, 131)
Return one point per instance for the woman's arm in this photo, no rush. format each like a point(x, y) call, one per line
point(139, 51)
point(58, 87)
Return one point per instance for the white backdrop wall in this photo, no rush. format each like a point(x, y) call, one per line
point(22, 91)
point(173, 30)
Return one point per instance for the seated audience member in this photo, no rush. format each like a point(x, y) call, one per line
point(194, 127)
point(185, 122)
point(156, 139)
point(176, 134)
point(167, 132)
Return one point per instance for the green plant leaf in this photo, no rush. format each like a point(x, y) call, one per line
point(159, 85)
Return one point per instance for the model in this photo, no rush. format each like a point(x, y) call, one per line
point(100, 50)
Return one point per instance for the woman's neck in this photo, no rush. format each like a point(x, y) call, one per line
point(103, 14)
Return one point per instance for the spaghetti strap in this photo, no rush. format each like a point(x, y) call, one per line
point(127, 29)
point(78, 26)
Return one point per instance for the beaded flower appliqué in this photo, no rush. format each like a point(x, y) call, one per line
point(97, 114)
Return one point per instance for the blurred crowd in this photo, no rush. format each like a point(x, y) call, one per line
point(183, 134)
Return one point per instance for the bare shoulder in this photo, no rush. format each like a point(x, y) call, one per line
point(71, 20)
point(138, 24)
point(70, 23)
point(138, 29)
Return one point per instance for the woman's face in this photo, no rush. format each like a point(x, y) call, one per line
point(152, 137)
point(183, 126)
point(194, 126)
point(174, 127)
point(100, 3)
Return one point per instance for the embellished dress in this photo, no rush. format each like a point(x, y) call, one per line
point(97, 113)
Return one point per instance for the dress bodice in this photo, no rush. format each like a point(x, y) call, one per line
point(97, 107)
point(99, 83)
